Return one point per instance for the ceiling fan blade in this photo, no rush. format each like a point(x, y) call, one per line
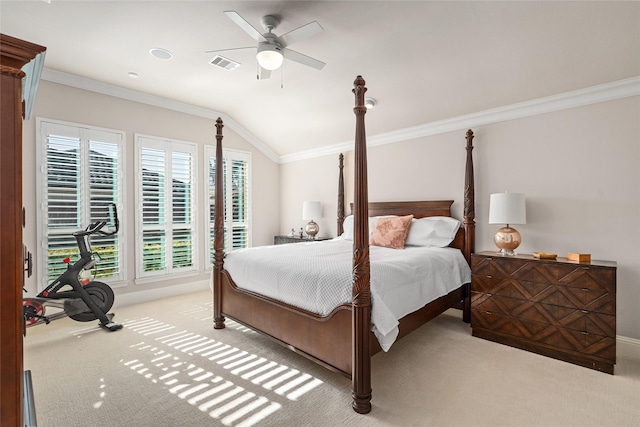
point(303, 59)
point(232, 48)
point(264, 74)
point(242, 23)
point(300, 33)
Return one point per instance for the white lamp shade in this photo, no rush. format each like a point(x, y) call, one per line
point(269, 56)
point(311, 210)
point(507, 208)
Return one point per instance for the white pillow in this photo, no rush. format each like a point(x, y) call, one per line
point(347, 225)
point(435, 231)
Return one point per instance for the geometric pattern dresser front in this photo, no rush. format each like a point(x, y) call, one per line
point(557, 308)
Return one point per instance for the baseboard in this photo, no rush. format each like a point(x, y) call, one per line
point(628, 348)
point(131, 298)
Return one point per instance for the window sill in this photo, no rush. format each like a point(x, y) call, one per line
point(163, 277)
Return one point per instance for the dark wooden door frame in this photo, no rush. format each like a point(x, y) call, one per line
point(14, 54)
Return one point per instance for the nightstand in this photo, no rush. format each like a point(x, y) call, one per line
point(557, 308)
point(279, 240)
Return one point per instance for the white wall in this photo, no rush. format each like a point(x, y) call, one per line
point(60, 102)
point(579, 169)
point(315, 179)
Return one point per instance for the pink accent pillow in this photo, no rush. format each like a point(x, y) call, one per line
point(392, 232)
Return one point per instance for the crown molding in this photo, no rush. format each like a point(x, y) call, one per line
point(577, 98)
point(157, 101)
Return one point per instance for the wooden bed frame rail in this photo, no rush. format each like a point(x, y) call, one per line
point(341, 341)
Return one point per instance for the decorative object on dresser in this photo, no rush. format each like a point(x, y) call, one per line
point(545, 255)
point(556, 308)
point(311, 211)
point(507, 208)
point(579, 257)
point(280, 240)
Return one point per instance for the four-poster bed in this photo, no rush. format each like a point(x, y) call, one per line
point(341, 340)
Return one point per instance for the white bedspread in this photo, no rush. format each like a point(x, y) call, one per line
point(316, 276)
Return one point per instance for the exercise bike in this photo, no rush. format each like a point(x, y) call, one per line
point(73, 293)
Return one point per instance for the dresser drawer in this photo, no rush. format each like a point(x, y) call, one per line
point(587, 277)
point(514, 268)
point(538, 334)
point(596, 300)
point(570, 318)
point(566, 274)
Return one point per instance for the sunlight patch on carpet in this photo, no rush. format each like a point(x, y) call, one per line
point(163, 361)
point(202, 311)
point(102, 394)
point(78, 333)
point(221, 398)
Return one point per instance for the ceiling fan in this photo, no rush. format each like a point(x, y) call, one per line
point(272, 50)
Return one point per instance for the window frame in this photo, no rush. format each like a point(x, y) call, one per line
point(169, 146)
point(86, 133)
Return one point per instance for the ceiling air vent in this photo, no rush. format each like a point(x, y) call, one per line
point(226, 63)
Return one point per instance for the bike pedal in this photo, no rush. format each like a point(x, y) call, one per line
point(45, 318)
point(112, 326)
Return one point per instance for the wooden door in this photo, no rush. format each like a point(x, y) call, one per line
point(14, 54)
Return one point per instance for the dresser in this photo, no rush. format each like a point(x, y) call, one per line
point(557, 308)
point(279, 240)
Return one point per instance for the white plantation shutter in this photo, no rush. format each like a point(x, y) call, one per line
point(153, 164)
point(239, 201)
point(166, 203)
point(182, 198)
point(104, 188)
point(237, 209)
point(80, 169)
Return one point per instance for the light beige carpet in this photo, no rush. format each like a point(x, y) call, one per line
point(169, 367)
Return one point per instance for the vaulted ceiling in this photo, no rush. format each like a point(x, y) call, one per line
point(424, 61)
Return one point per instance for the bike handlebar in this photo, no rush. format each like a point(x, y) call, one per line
point(96, 227)
point(92, 228)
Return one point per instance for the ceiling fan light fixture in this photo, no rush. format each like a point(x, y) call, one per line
point(269, 56)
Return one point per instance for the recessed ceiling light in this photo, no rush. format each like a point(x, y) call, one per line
point(370, 103)
point(133, 75)
point(161, 53)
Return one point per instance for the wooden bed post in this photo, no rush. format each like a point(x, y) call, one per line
point(361, 313)
point(469, 219)
point(340, 195)
point(218, 232)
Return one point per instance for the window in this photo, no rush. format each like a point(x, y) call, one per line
point(237, 210)
point(165, 206)
point(80, 173)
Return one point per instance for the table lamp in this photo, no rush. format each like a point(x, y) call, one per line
point(507, 208)
point(311, 211)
